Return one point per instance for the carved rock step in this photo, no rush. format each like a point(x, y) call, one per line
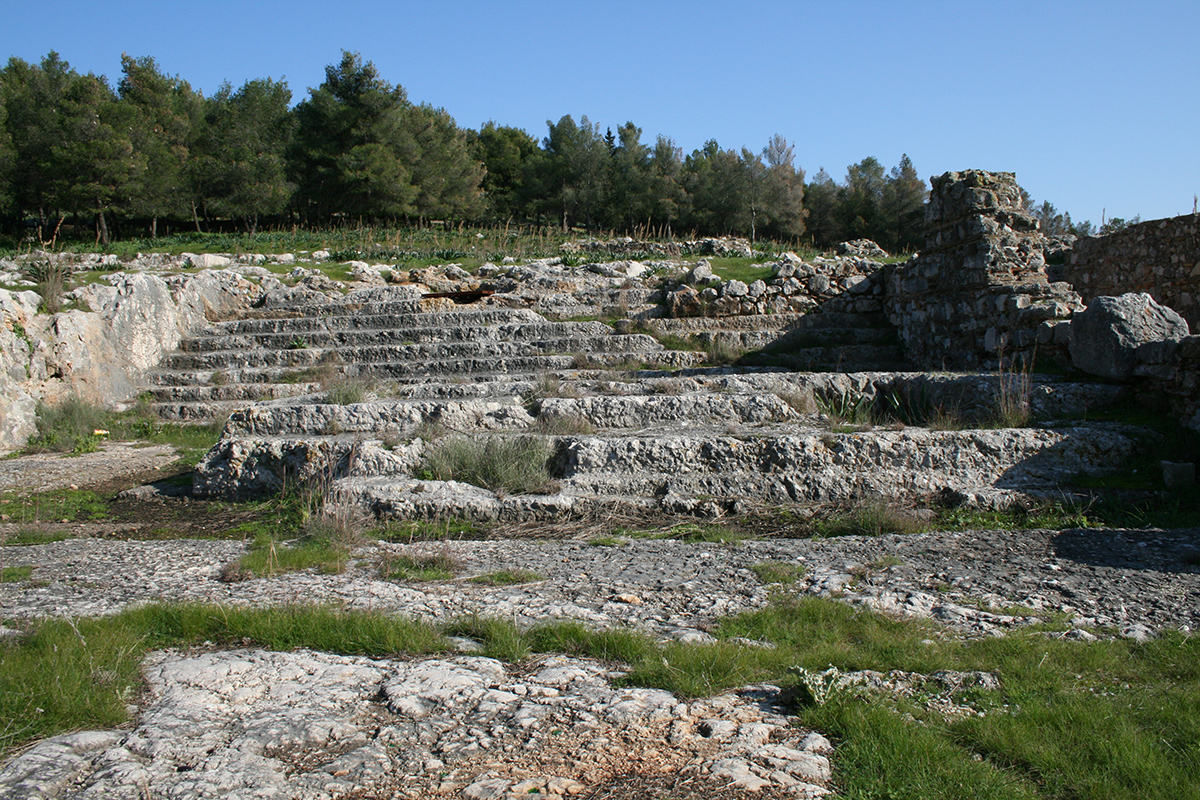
point(383, 329)
point(342, 316)
point(231, 391)
point(833, 359)
point(467, 368)
point(439, 351)
point(732, 473)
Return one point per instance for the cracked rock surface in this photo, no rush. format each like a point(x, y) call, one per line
point(976, 581)
point(252, 723)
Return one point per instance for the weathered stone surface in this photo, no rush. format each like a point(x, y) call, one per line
point(310, 725)
point(1106, 337)
point(863, 248)
point(102, 354)
point(18, 367)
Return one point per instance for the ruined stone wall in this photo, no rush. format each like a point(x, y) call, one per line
point(1160, 257)
point(978, 294)
point(845, 283)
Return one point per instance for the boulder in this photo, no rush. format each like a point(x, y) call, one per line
point(1105, 336)
point(684, 302)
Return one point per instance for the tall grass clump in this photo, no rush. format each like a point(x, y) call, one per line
point(868, 517)
point(68, 427)
point(51, 278)
point(1013, 409)
point(510, 465)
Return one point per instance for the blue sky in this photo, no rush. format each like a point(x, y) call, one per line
point(1095, 105)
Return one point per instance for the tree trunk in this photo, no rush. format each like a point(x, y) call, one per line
point(195, 217)
point(154, 227)
point(101, 229)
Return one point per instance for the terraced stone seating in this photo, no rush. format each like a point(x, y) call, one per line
point(405, 341)
point(610, 419)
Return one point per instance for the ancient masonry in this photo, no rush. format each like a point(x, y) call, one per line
point(1160, 257)
point(978, 294)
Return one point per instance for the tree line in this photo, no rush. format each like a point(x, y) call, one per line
point(153, 152)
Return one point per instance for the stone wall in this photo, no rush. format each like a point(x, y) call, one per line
point(845, 283)
point(978, 294)
point(1160, 257)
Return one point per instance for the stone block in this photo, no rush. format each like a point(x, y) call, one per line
point(1105, 336)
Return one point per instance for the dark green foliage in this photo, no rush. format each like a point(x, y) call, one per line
point(240, 167)
point(363, 151)
point(164, 112)
point(76, 155)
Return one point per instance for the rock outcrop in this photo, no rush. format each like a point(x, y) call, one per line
point(102, 348)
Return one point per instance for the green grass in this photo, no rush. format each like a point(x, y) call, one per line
point(66, 675)
point(746, 270)
point(505, 465)
point(33, 534)
point(15, 574)
point(771, 572)
point(507, 577)
point(58, 505)
point(499, 638)
point(872, 517)
point(269, 555)
point(1051, 516)
point(71, 425)
point(423, 568)
point(344, 393)
point(1111, 719)
point(694, 532)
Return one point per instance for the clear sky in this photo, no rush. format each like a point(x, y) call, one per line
point(1095, 105)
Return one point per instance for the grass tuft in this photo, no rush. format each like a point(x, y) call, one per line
point(507, 577)
point(15, 574)
point(771, 572)
point(419, 568)
point(516, 465)
point(58, 505)
point(871, 517)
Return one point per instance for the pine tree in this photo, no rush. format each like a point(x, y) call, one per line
point(163, 112)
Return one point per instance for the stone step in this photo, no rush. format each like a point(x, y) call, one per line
point(198, 412)
point(234, 391)
point(680, 473)
point(301, 357)
point(399, 334)
point(837, 358)
point(349, 320)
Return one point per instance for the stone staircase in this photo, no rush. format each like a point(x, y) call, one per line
point(616, 419)
point(431, 346)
